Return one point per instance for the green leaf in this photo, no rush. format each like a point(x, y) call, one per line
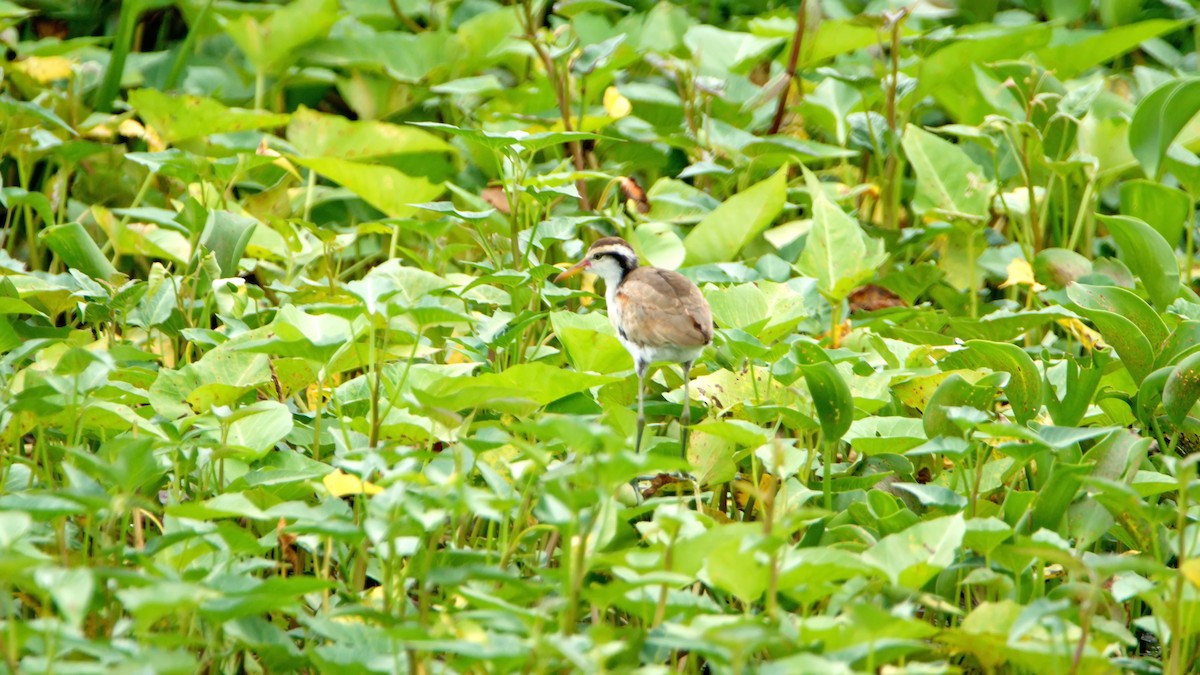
point(916, 555)
point(1074, 51)
point(831, 397)
point(1163, 207)
point(733, 224)
point(75, 247)
point(1148, 256)
point(659, 244)
point(259, 427)
point(956, 392)
point(947, 74)
point(1158, 119)
point(837, 253)
point(226, 235)
point(383, 187)
point(720, 52)
point(1024, 388)
point(12, 197)
point(1182, 388)
point(590, 342)
point(318, 135)
point(1125, 321)
point(272, 44)
point(519, 390)
point(949, 183)
point(181, 117)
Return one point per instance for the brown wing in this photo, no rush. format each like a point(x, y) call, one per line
point(661, 307)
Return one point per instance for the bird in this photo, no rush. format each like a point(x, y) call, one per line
point(659, 315)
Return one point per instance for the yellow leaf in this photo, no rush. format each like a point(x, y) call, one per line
point(1020, 272)
point(1087, 337)
point(339, 483)
point(616, 105)
point(46, 68)
point(1191, 571)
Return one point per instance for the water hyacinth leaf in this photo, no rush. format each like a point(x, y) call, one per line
point(1127, 338)
point(1057, 493)
point(1148, 256)
point(11, 197)
point(520, 389)
point(71, 590)
point(949, 183)
point(1165, 208)
point(913, 557)
point(831, 398)
point(226, 234)
point(1024, 387)
point(383, 187)
point(1182, 388)
point(315, 134)
point(178, 118)
point(590, 342)
point(76, 248)
point(274, 42)
point(956, 392)
point(1158, 119)
point(259, 427)
point(837, 253)
point(722, 233)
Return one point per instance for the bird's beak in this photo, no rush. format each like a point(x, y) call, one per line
point(575, 269)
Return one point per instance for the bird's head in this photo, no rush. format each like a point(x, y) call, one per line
point(610, 258)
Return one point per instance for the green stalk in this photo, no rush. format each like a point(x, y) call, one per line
point(122, 44)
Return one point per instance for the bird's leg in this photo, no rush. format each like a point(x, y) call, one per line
point(686, 419)
point(641, 419)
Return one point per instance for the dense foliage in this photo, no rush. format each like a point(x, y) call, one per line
point(285, 385)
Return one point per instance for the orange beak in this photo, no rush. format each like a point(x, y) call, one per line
point(575, 269)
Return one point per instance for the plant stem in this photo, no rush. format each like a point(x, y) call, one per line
point(793, 57)
point(561, 96)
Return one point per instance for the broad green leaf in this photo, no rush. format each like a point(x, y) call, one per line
point(178, 118)
point(1024, 388)
point(660, 245)
point(956, 392)
point(1182, 388)
point(1158, 119)
point(735, 223)
point(721, 51)
point(831, 398)
point(271, 44)
point(949, 183)
point(318, 135)
point(590, 342)
point(226, 235)
point(1183, 340)
point(1162, 207)
point(265, 424)
point(946, 74)
point(1057, 493)
point(916, 555)
point(837, 253)
point(1073, 51)
point(1148, 256)
point(983, 535)
point(71, 590)
point(729, 567)
point(877, 435)
point(12, 197)
point(520, 389)
point(383, 187)
point(76, 248)
point(1107, 307)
